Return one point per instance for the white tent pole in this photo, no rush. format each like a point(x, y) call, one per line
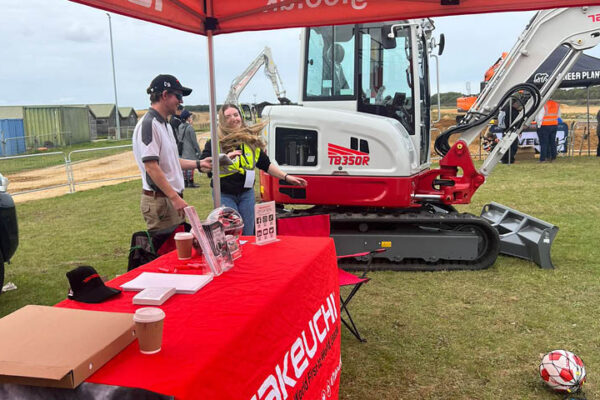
point(214, 140)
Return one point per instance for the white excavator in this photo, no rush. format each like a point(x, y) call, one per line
point(360, 136)
point(239, 83)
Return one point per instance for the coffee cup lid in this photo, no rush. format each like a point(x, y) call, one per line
point(148, 314)
point(183, 236)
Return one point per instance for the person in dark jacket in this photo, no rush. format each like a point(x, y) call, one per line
point(598, 133)
point(190, 149)
point(511, 111)
point(175, 120)
point(237, 180)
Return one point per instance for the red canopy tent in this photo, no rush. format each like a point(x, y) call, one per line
point(212, 17)
point(226, 16)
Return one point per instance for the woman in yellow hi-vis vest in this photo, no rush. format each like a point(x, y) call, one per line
point(237, 180)
point(547, 123)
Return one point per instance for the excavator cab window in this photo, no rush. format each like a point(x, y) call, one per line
point(330, 63)
point(385, 78)
point(296, 147)
point(247, 113)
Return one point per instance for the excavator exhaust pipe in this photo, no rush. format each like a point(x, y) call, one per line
point(521, 235)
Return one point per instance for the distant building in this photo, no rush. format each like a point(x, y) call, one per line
point(128, 120)
point(106, 123)
point(25, 128)
point(104, 118)
point(46, 126)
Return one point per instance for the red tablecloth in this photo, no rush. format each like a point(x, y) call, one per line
point(267, 329)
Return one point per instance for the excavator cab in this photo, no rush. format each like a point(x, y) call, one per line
point(361, 130)
point(372, 68)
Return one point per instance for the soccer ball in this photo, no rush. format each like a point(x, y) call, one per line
point(563, 371)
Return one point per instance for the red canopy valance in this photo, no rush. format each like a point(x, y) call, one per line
point(249, 15)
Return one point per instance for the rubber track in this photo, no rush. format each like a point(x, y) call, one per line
point(422, 218)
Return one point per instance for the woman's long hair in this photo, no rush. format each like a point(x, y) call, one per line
point(232, 138)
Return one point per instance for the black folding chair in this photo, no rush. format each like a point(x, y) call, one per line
point(356, 282)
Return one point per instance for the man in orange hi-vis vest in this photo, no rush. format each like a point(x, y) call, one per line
point(547, 123)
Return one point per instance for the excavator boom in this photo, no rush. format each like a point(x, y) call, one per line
point(239, 83)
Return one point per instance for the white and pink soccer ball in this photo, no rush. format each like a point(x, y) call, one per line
point(563, 371)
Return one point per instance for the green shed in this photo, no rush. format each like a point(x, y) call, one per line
point(51, 126)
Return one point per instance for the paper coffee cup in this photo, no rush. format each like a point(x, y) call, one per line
point(183, 242)
point(149, 323)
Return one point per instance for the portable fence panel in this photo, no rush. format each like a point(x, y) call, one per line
point(35, 172)
point(95, 166)
point(12, 137)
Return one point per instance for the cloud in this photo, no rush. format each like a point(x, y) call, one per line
point(78, 32)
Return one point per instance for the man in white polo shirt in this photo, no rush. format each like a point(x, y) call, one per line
point(155, 152)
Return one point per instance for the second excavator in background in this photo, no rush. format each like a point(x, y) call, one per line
point(264, 58)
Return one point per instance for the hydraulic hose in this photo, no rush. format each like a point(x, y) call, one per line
point(527, 90)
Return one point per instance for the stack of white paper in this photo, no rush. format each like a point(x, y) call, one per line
point(154, 296)
point(182, 283)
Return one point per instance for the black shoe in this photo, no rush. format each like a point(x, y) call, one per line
point(192, 186)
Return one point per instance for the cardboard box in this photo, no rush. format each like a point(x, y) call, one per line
point(59, 347)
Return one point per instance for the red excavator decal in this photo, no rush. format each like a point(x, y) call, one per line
point(339, 155)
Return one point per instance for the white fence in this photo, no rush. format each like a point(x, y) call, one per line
point(46, 171)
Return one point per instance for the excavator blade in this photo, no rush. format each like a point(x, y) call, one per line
point(521, 235)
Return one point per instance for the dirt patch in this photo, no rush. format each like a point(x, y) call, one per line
point(88, 174)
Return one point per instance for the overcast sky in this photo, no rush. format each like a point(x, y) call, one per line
point(58, 52)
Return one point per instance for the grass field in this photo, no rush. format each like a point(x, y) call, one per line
point(444, 335)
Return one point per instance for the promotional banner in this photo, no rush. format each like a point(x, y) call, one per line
point(235, 15)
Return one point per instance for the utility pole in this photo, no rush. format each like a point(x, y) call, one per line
point(112, 56)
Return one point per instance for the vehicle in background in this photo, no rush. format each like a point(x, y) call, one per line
point(239, 84)
point(464, 104)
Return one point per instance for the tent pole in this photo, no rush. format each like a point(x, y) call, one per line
point(588, 118)
point(214, 140)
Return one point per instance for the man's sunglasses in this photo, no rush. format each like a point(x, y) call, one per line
point(178, 95)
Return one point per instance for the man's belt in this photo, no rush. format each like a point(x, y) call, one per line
point(156, 194)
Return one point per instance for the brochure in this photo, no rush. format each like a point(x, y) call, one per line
point(211, 237)
point(265, 223)
point(218, 243)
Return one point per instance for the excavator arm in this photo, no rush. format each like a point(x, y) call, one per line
point(576, 28)
point(456, 180)
point(239, 84)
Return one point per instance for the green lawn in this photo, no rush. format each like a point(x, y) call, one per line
point(13, 166)
point(442, 335)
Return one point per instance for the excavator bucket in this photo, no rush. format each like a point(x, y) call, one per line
point(520, 234)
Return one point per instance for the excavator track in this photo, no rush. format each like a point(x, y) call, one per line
point(428, 239)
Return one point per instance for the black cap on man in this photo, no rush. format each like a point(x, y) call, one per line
point(167, 82)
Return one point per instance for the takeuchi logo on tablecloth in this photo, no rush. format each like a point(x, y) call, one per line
point(297, 360)
point(311, 4)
